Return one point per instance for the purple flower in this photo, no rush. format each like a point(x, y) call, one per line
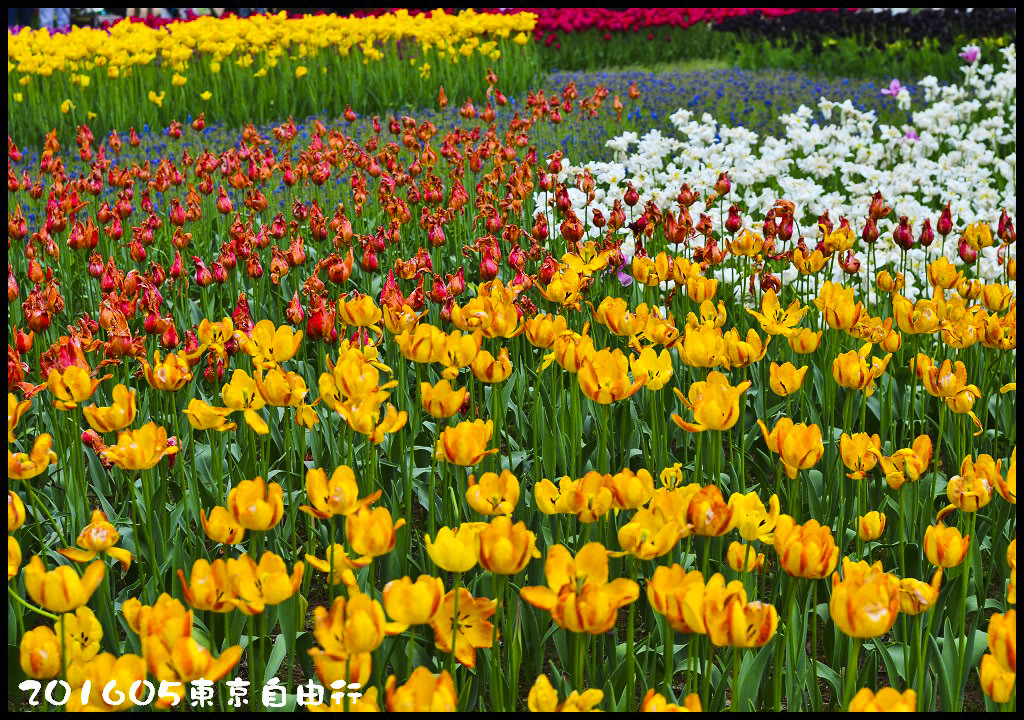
point(624, 279)
point(970, 54)
point(912, 134)
point(893, 89)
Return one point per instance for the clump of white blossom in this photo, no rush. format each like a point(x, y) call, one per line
point(959, 148)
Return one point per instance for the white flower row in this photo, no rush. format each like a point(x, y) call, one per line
point(961, 149)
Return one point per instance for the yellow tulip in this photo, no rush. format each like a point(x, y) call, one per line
point(469, 630)
point(269, 345)
point(776, 321)
point(412, 603)
point(865, 601)
point(799, 446)
point(61, 590)
point(715, 403)
point(944, 546)
point(222, 527)
point(70, 387)
point(885, 700)
point(202, 416)
point(99, 536)
point(464, 444)
point(268, 583)
point(337, 496)
point(493, 494)
point(807, 550)
point(422, 692)
point(604, 377)
point(15, 410)
point(731, 621)
point(786, 379)
point(170, 374)
point(455, 550)
point(25, 466)
point(742, 558)
point(140, 449)
point(440, 400)
point(242, 394)
point(504, 548)
point(679, 596)
point(40, 653)
point(371, 531)
point(210, 587)
point(255, 505)
point(916, 596)
point(871, 526)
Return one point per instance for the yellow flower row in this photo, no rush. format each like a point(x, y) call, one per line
point(127, 44)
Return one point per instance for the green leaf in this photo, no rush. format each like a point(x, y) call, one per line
point(892, 657)
point(752, 671)
point(277, 655)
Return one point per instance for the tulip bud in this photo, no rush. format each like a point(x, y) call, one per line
point(871, 526)
point(220, 275)
point(203, 276)
point(1006, 233)
point(22, 341)
point(294, 311)
point(878, 209)
point(733, 223)
point(687, 197)
point(870, 232)
point(547, 270)
point(723, 184)
point(785, 228)
point(849, 263)
point(945, 224)
point(368, 261)
point(169, 339)
point(435, 235)
point(903, 234)
point(967, 253)
point(488, 267)
point(631, 196)
point(927, 237)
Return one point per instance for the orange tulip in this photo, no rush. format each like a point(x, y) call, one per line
point(806, 550)
point(470, 628)
point(371, 531)
point(464, 444)
point(799, 446)
point(255, 505)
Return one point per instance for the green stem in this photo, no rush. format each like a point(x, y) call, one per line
point(816, 695)
point(736, 659)
point(962, 649)
point(778, 670)
point(929, 505)
point(705, 681)
point(668, 641)
point(33, 608)
point(630, 649)
point(581, 652)
point(851, 671)
point(922, 704)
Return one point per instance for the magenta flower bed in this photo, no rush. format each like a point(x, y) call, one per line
point(577, 19)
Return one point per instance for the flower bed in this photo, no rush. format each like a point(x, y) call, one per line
point(134, 74)
point(374, 407)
